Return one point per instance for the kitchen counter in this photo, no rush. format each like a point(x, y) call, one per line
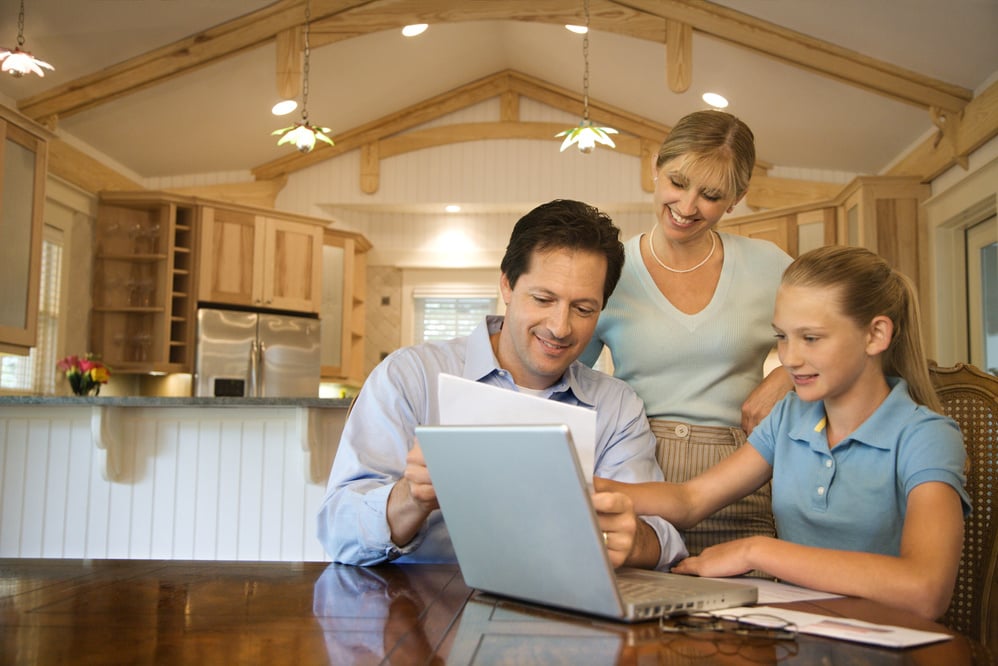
point(168, 477)
point(140, 401)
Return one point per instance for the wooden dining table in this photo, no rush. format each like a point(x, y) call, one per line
point(65, 611)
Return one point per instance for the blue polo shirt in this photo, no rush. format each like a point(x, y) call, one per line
point(853, 497)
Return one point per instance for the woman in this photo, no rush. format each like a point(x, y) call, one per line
point(688, 326)
point(869, 479)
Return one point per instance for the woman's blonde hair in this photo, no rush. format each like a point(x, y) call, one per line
point(716, 145)
point(868, 287)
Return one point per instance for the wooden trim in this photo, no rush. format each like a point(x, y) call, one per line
point(343, 19)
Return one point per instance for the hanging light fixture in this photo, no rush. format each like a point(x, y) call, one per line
point(586, 135)
point(304, 134)
point(18, 62)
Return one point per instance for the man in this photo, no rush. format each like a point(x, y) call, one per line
point(561, 265)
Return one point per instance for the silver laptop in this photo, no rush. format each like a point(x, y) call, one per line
point(521, 519)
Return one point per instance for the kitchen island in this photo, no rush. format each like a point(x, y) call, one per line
point(165, 477)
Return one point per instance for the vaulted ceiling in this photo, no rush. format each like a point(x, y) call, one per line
point(159, 88)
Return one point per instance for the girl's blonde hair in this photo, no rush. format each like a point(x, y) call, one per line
point(868, 287)
point(716, 145)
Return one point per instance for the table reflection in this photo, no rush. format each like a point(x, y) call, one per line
point(373, 614)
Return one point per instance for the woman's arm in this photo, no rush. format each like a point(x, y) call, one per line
point(920, 579)
point(762, 399)
point(686, 504)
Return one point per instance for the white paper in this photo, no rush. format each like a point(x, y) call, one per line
point(464, 402)
point(842, 628)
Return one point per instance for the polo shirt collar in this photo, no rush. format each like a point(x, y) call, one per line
point(889, 417)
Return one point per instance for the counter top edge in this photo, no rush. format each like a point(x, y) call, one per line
point(141, 401)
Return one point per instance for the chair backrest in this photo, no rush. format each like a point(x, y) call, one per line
point(970, 397)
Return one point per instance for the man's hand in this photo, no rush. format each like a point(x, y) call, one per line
point(418, 476)
point(412, 498)
point(629, 541)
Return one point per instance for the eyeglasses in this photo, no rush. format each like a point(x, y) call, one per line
point(752, 625)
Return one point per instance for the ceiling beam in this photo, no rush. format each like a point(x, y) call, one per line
point(807, 52)
point(335, 20)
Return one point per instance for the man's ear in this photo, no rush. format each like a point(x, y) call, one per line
point(880, 334)
point(505, 289)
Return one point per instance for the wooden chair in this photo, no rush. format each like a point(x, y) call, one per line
point(970, 397)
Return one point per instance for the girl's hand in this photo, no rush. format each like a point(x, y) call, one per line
point(725, 559)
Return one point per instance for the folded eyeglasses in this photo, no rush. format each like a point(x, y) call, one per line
point(752, 625)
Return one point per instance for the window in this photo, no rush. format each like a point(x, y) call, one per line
point(36, 372)
point(443, 317)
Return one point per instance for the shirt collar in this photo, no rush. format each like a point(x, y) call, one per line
point(889, 417)
point(480, 362)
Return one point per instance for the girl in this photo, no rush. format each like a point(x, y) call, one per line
point(868, 483)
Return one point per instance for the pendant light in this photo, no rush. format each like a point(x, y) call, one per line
point(586, 135)
point(17, 62)
point(304, 134)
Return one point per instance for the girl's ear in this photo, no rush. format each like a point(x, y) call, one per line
point(880, 334)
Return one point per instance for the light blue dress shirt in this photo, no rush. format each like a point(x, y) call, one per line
point(400, 394)
point(854, 496)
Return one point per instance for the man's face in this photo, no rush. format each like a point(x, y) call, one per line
point(550, 315)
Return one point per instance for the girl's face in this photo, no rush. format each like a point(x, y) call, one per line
point(827, 355)
point(688, 204)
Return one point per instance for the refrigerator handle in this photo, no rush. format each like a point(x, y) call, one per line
point(261, 374)
point(254, 363)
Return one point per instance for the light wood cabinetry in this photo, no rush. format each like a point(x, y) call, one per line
point(23, 158)
point(344, 306)
point(160, 255)
point(255, 260)
point(144, 283)
point(882, 213)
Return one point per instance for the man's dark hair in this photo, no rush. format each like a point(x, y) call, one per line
point(564, 224)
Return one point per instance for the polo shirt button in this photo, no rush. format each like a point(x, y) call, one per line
point(828, 463)
point(682, 430)
point(821, 490)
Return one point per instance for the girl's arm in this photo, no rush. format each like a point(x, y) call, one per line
point(919, 580)
point(686, 504)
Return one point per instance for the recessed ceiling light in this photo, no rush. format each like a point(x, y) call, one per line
point(414, 29)
point(452, 208)
point(577, 29)
point(715, 100)
point(284, 107)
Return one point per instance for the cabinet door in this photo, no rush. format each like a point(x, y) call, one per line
point(229, 243)
point(778, 230)
point(291, 271)
point(22, 195)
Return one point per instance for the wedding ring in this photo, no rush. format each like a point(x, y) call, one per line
point(604, 538)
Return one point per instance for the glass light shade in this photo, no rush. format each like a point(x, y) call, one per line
point(303, 135)
point(715, 100)
point(587, 135)
point(18, 63)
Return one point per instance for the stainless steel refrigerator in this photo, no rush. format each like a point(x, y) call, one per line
point(256, 355)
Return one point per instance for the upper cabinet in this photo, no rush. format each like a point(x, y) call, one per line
point(144, 281)
point(23, 156)
point(260, 260)
point(882, 213)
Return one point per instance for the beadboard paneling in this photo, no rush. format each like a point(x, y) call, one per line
point(218, 484)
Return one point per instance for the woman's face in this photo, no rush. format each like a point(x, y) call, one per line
point(687, 205)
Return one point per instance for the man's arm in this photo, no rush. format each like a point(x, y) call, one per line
point(630, 541)
point(411, 500)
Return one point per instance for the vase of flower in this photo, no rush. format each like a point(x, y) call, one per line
point(85, 375)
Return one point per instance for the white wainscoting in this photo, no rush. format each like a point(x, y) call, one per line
point(192, 483)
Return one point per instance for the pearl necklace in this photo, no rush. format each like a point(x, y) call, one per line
point(651, 246)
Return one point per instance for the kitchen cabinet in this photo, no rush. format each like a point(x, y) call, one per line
point(344, 267)
point(260, 260)
point(144, 282)
point(881, 213)
point(23, 158)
